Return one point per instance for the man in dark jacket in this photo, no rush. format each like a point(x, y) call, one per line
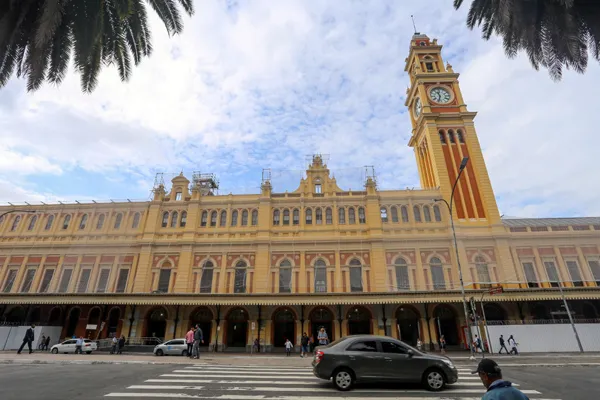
point(28, 338)
point(198, 337)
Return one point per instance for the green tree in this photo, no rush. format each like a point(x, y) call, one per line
point(555, 34)
point(38, 38)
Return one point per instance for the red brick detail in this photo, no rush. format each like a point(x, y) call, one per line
point(568, 251)
point(525, 252)
point(330, 257)
point(88, 259)
point(2, 259)
point(158, 258)
point(34, 260)
point(590, 250)
point(452, 176)
point(297, 274)
point(546, 251)
point(487, 252)
point(70, 259)
point(52, 259)
point(443, 254)
point(473, 181)
point(217, 282)
point(344, 281)
point(560, 228)
point(294, 257)
point(126, 259)
point(345, 257)
point(332, 280)
point(273, 282)
point(16, 260)
point(200, 258)
point(408, 255)
point(391, 280)
point(308, 281)
point(233, 258)
point(250, 275)
point(368, 280)
point(107, 259)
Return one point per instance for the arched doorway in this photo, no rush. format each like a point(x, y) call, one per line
point(321, 317)
point(55, 315)
point(203, 317)
point(445, 318)
point(237, 328)
point(74, 315)
point(494, 312)
point(156, 323)
point(93, 320)
point(408, 325)
point(589, 311)
point(35, 316)
point(16, 315)
point(113, 322)
point(540, 311)
point(359, 321)
point(284, 327)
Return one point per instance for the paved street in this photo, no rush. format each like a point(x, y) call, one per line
point(252, 382)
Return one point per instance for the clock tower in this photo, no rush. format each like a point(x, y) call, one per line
point(443, 133)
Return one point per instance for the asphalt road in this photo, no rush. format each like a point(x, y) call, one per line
point(64, 382)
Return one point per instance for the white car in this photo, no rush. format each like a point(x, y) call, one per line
point(68, 346)
point(175, 347)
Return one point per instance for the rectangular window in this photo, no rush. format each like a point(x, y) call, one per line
point(206, 280)
point(240, 281)
point(285, 280)
point(178, 196)
point(318, 188)
point(483, 275)
point(65, 280)
point(574, 272)
point(320, 280)
point(164, 278)
point(29, 275)
point(552, 273)
point(437, 275)
point(296, 217)
point(45, 285)
point(402, 282)
point(103, 280)
point(530, 275)
point(84, 278)
point(122, 281)
point(356, 279)
point(595, 268)
point(10, 280)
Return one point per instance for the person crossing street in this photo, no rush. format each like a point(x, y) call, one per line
point(502, 345)
point(198, 338)
point(497, 389)
point(28, 339)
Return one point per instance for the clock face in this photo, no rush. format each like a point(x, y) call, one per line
point(418, 107)
point(440, 95)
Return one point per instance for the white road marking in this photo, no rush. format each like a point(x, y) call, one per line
point(317, 389)
point(227, 382)
point(232, 372)
point(185, 375)
point(262, 397)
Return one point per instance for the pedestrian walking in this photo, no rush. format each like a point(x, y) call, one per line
point(189, 340)
point(304, 345)
point(79, 345)
point(121, 344)
point(322, 338)
point(41, 343)
point(288, 347)
point(443, 344)
point(115, 344)
point(256, 346)
point(419, 344)
point(477, 344)
point(47, 343)
point(198, 338)
point(28, 339)
point(502, 345)
point(497, 388)
point(513, 343)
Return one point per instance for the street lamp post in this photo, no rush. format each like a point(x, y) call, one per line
point(17, 211)
point(463, 164)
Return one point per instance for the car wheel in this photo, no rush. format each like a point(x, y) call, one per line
point(184, 353)
point(88, 352)
point(55, 351)
point(159, 352)
point(434, 380)
point(343, 379)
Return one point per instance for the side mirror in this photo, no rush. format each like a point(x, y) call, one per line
point(410, 353)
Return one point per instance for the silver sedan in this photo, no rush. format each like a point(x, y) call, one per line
point(175, 347)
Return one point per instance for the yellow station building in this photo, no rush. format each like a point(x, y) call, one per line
point(271, 265)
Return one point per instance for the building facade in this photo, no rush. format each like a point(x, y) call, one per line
point(272, 265)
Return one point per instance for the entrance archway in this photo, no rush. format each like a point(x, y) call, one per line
point(74, 315)
point(408, 325)
point(540, 311)
point(113, 322)
point(359, 321)
point(589, 311)
point(445, 318)
point(203, 317)
point(321, 317)
point(284, 327)
point(55, 315)
point(93, 320)
point(156, 323)
point(494, 312)
point(237, 328)
point(15, 315)
point(35, 316)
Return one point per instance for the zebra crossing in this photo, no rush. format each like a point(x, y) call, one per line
point(256, 382)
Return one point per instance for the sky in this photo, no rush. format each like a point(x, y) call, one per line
point(253, 85)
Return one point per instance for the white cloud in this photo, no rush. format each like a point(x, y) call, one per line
point(263, 83)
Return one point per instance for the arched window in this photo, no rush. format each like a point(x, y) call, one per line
point(483, 273)
point(254, 217)
point(100, 222)
point(383, 213)
point(286, 217)
point(461, 138)
point(355, 275)
point(15, 223)
point(165, 219)
point(402, 281)
point(451, 136)
point(213, 218)
point(136, 221)
point(318, 216)
point(32, 222)
point(285, 276)
point(436, 213)
point(437, 273)
point(118, 220)
point(320, 276)
point(223, 220)
point(427, 213)
point(342, 215)
point(204, 218)
point(83, 221)
point(308, 214)
point(296, 217)
point(245, 218)
point(404, 212)
point(442, 136)
point(394, 214)
point(207, 277)
point(49, 222)
point(421, 43)
point(275, 217)
point(240, 277)
point(417, 213)
point(234, 217)
point(66, 222)
point(174, 218)
point(328, 216)
point(362, 219)
point(183, 221)
point(351, 215)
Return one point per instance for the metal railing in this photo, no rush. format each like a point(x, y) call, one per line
point(544, 321)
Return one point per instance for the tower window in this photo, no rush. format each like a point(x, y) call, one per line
point(461, 139)
point(178, 196)
point(421, 43)
point(429, 67)
point(451, 137)
point(384, 216)
point(318, 188)
point(276, 217)
point(442, 137)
